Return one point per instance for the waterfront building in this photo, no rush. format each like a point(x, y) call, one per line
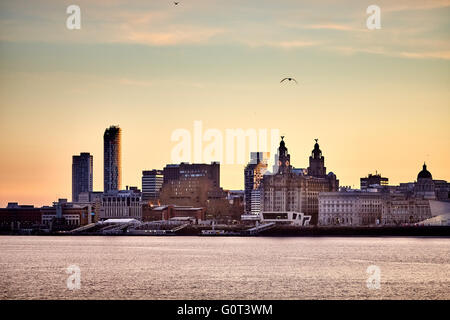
point(65, 215)
point(286, 191)
point(365, 208)
point(93, 200)
point(171, 212)
point(16, 216)
point(152, 181)
point(440, 212)
point(442, 190)
point(82, 173)
point(62, 214)
point(186, 191)
point(287, 218)
point(425, 185)
point(253, 174)
point(350, 208)
point(196, 185)
point(373, 180)
point(378, 203)
point(121, 204)
point(403, 209)
point(112, 156)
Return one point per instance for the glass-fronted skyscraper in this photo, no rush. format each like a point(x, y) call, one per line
point(112, 159)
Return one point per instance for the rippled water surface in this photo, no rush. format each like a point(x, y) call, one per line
point(223, 268)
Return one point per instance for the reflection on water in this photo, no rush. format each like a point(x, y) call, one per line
point(223, 268)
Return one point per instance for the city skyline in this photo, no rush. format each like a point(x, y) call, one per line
point(377, 99)
point(117, 128)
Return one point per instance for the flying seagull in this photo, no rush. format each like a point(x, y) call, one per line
point(289, 79)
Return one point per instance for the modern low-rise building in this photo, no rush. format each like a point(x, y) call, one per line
point(65, 214)
point(16, 216)
point(168, 212)
point(287, 218)
point(373, 180)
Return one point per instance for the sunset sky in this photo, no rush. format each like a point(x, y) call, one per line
point(376, 99)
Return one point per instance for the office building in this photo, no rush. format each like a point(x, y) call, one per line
point(152, 181)
point(253, 174)
point(373, 180)
point(193, 170)
point(82, 173)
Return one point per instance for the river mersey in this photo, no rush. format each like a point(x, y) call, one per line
point(223, 268)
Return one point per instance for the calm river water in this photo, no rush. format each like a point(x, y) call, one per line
point(33, 267)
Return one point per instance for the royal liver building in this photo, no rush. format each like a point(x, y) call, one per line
point(297, 190)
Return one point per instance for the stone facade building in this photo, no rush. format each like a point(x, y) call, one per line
point(408, 203)
point(123, 204)
point(286, 191)
point(402, 209)
point(424, 186)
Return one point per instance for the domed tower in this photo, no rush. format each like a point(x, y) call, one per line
point(425, 185)
point(424, 174)
point(284, 158)
point(317, 162)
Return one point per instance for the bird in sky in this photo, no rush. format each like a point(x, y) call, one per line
point(176, 3)
point(289, 79)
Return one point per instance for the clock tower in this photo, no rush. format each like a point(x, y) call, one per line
point(284, 158)
point(317, 162)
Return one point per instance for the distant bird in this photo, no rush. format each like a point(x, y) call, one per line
point(176, 3)
point(289, 79)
